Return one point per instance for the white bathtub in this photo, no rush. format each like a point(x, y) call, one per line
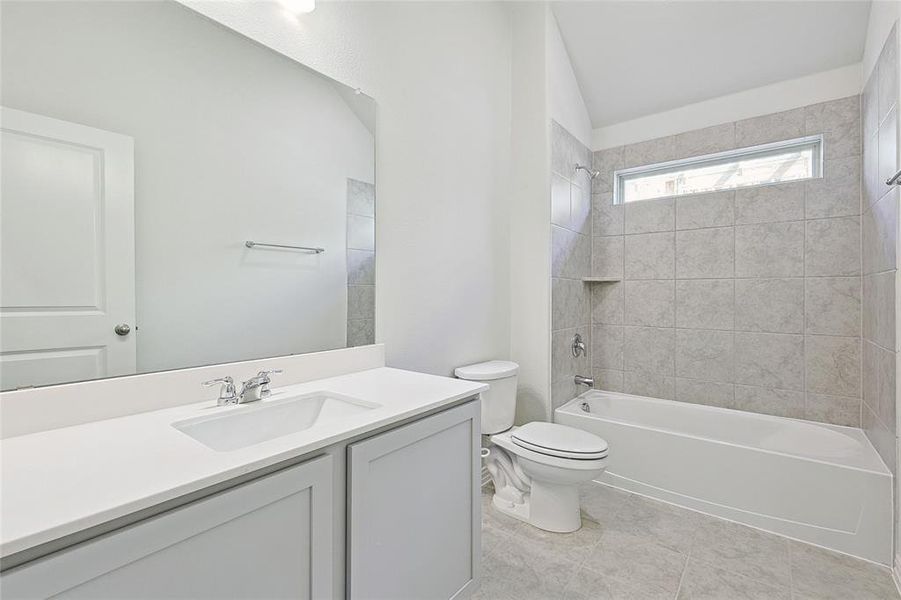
point(814, 482)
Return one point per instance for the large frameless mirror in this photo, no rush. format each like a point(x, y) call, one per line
point(173, 195)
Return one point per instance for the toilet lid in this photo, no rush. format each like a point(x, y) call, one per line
point(553, 439)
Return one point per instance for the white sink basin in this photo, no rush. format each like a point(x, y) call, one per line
point(248, 424)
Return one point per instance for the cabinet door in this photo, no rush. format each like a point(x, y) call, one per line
point(413, 514)
point(268, 538)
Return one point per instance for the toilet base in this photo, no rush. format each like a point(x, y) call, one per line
point(555, 507)
point(548, 506)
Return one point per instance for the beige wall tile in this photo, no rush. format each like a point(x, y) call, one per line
point(833, 365)
point(705, 303)
point(770, 401)
point(769, 250)
point(607, 257)
point(696, 211)
point(837, 193)
point(607, 301)
point(832, 247)
point(705, 354)
point(607, 218)
point(769, 305)
point(879, 308)
point(648, 216)
point(711, 393)
point(649, 349)
point(770, 203)
point(607, 347)
point(769, 360)
point(650, 303)
point(705, 253)
point(650, 256)
point(833, 305)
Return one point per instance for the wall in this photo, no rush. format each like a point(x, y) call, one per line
point(747, 299)
point(530, 267)
point(217, 162)
point(443, 166)
point(565, 102)
point(755, 102)
point(880, 102)
point(569, 198)
point(570, 262)
point(360, 263)
point(880, 230)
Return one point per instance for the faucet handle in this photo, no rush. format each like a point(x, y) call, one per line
point(270, 372)
point(265, 373)
point(227, 392)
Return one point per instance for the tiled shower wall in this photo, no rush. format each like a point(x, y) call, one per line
point(571, 261)
point(746, 299)
point(880, 236)
point(360, 263)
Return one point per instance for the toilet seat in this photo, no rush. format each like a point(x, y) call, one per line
point(540, 455)
point(553, 439)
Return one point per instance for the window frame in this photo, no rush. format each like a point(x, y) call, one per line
point(620, 176)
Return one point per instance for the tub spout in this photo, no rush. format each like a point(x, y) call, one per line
point(580, 380)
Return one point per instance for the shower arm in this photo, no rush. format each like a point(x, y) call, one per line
point(591, 174)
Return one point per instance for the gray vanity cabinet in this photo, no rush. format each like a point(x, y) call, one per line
point(268, 538)
point(413, 510)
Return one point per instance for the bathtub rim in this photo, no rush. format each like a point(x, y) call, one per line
point(571, 407)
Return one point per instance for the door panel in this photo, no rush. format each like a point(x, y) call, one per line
point(414, 514)
point(269, 538)
point(66, 251)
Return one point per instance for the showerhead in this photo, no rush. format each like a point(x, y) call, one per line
point(591, 174)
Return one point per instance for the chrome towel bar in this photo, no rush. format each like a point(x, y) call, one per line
point(250, 244)
point(896, 178)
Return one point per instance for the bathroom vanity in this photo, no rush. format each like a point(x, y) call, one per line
point(379, 500)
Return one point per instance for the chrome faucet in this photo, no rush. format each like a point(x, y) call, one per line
point(227, 394)
point(255, 388)
point(580, 380)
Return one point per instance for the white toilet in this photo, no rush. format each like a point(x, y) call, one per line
point(537, 467)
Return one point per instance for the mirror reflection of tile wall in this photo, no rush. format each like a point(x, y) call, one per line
point(360, 263)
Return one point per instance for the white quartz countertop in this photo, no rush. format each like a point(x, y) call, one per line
point(62, 481)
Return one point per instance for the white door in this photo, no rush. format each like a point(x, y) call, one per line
point(66, 251)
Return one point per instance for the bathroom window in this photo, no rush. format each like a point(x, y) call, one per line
point(790, 160)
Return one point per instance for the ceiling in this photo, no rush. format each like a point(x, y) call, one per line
point(638, 58)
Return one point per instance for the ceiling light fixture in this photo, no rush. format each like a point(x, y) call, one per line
point(297, 7)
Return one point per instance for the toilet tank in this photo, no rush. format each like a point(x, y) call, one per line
point(499, 402)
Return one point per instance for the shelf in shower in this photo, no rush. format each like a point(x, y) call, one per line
point(600, 279)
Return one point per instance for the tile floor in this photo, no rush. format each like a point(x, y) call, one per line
point(634, 548)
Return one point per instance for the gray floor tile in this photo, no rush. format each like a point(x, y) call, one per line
point(573, 547)
point(634, 548)
point(517, 570)
point(621, 558)
point(588, 585)
point(743, 550)
point(705, 582)
point(824, 575)
point(641, 520)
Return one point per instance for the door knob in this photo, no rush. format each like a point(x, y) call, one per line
point(122, 329)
